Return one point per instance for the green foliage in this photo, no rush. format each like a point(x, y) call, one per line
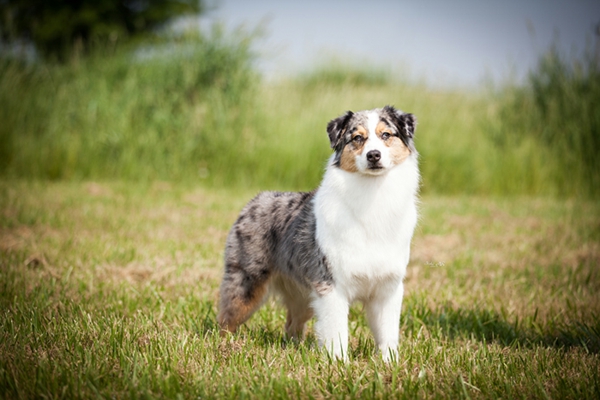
point(138, 114)
point(191, 108)
point(56, 26)
point(337, 74)
point(559, 109)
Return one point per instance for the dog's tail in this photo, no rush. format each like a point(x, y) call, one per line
point(241, 295)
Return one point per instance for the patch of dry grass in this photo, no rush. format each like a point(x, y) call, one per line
point(110, 289)
point(522, 255)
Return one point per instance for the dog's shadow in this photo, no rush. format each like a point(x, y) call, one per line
point(492, 326)
point(485, 325)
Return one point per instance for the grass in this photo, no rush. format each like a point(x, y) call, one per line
point(109, 290)
point(137, 113)
point(562, 114)
point(191, 109)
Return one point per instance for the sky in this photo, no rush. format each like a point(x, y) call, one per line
point(448, 43)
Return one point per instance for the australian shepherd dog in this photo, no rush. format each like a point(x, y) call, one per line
point(348, 240)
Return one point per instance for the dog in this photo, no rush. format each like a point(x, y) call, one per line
point(348, 240)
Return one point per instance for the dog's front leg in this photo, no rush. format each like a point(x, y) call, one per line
point(331, 326)
point(383, 314)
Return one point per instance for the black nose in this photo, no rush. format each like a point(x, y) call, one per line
point(373, 156)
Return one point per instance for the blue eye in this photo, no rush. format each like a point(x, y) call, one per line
point(385, 135)
point(358, 139)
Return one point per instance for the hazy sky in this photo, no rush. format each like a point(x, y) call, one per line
point(445, 42)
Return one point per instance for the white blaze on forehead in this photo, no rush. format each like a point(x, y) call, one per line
point(373, 141)
point(372, 121)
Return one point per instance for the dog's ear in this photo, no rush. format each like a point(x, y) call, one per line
point(405, 122)
point(336, 127)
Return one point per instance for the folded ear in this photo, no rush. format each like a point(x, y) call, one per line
point(410, 124)
point(336, 127)
point(405, 122)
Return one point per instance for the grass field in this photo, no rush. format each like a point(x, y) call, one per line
point(108, 290)
point(122, 171)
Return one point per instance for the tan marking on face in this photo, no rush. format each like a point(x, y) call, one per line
point(398, 150)
point(353, 150)
point(382, 127)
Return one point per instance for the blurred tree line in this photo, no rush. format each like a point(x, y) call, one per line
point(58, 27)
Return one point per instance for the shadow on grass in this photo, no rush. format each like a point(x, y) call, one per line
point(492, 326)
point(205, 320)
point(445, 321)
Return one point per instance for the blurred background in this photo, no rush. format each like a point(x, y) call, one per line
point(449, 44)
point(238, 93)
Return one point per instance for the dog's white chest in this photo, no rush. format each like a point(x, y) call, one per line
point(365, 225)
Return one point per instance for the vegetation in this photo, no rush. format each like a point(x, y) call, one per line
point(560, 109)
point(109, 290)
point(143, 114)
point(189, 108)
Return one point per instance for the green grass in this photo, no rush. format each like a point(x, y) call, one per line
point(559, 109)
point(109, 290)
point(197, 112)
point(138, 113)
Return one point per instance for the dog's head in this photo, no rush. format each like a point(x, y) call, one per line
point(372, 142)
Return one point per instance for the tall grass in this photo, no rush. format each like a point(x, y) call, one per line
point(192, 109)
point(559, 108)
point(146, 113)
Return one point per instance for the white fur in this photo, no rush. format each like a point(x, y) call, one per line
point(365, 225)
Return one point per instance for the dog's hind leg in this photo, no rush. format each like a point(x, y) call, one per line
point(296, 320)
point(242, 293)
point(296, 300)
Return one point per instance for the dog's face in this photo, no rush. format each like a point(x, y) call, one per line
point(372, 142)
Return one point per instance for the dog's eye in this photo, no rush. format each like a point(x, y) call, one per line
point(385, 135)
point(358, 139)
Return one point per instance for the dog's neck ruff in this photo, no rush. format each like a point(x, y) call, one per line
point(365, 225)
point(363, 194)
